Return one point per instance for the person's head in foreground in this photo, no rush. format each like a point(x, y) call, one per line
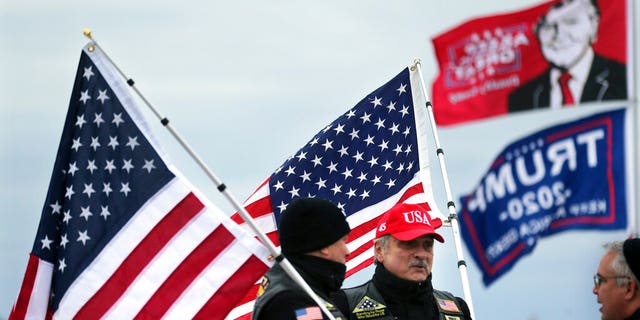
point(616, 281)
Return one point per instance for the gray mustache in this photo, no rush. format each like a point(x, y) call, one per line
point(418, 263)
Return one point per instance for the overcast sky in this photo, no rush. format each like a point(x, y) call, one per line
point(247, 83)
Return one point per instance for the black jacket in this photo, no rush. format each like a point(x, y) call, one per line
point(281, 297)
point(404, 299)
point(634, 316)
point(607, 80)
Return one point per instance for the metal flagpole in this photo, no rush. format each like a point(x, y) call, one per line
point(453, 218)
point(286, 265)
point(635, 113)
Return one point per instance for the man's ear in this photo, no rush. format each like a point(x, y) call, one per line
point(320, 253)
point(378, 252)
point(324, 252)
point(632, 290)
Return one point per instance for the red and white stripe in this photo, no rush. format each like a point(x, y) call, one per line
point(33, 298)
point(175, 259)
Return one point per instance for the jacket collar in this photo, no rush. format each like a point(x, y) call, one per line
point(397, 287)
point(323, 276)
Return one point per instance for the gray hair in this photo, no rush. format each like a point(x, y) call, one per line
point(383, 241)
point(619, 264)
point(593, 12)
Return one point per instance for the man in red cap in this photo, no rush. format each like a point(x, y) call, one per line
point(616, 282)
point(401, 284)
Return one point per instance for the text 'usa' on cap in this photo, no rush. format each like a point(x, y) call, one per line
point(409, 221)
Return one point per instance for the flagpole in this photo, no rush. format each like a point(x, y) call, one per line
point(279, 258)
point(453, 218)
point(635, 88)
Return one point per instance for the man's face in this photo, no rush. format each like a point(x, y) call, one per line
point(567, 32)
point(409, 260)
point(610, 295)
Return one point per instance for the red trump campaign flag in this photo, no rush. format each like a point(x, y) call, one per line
point(370, 158)
point(559, 53)
point(122, 235)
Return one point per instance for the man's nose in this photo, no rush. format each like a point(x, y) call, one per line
point(421, 252)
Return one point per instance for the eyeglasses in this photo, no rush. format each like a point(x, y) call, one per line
point(599, 279)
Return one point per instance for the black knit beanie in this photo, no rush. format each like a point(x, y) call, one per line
point(309, 224)
point(631, 251)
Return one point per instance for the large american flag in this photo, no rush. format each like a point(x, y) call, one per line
point(122, 235)
point(370, 158)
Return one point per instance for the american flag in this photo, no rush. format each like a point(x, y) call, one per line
point(448, 305)
point(370, 158)
point(122, 234)
point(310, 313)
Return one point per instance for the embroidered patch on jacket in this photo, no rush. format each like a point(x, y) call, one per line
point(329, 306)
point(447, 305)
point(264, 284)
point(334, 311)
point(310, 313)
point(446, 317)
point(368, 308)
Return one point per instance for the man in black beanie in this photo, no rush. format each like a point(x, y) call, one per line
point(616, 283)
point(313, 234)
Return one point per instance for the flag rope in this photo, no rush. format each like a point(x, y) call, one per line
point(453, 218)
point(222, 188)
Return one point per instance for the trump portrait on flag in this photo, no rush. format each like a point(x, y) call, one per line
point(576, 73)
point(553, 54)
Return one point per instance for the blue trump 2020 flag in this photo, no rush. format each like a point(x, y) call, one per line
point(569, 176)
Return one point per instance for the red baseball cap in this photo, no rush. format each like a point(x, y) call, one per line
point(406, 222)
